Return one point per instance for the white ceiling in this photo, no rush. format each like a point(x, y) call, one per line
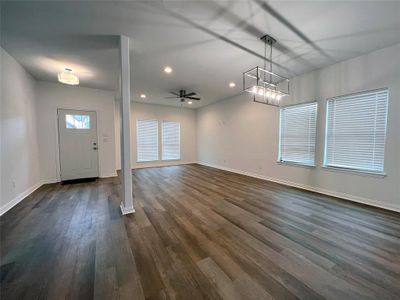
point(207, 43)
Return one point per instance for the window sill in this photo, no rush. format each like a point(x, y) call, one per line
point(172, 159)
point(157, 160)
point(290, 163)
point(354, 171)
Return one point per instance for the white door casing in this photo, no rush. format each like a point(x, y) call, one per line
point(78, 144)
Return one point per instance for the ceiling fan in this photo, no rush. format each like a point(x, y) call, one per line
point(183, 96)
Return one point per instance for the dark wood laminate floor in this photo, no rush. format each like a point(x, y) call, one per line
point(198, 233)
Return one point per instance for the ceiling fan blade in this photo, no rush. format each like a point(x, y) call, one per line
point(193, 98)
point(176, 94)
point(190, 94)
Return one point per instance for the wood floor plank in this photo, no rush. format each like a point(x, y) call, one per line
point(198, 233)
point(223, 284)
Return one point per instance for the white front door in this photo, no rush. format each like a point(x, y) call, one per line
point(77, 131)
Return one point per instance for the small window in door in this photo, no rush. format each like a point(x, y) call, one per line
point(77, 121)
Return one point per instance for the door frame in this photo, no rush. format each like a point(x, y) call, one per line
point(58, 160)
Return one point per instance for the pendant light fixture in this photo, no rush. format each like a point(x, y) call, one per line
point(267, 87)
point(67, 77)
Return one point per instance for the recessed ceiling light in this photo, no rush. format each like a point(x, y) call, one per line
point(142, 96)
point(190, 102)
point(232, 84)
point(168, 69)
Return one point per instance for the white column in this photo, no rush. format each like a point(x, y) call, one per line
point(126, 171)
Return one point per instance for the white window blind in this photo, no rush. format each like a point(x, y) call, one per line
point(356, 131)
point(171, 141)
point(147, 140)
point(297, 134)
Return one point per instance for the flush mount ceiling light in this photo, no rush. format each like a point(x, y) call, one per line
point(168, 69)
point(232, 84)
point(190, 102)
point(67, 77)
point(142, 96)
point(266, 86)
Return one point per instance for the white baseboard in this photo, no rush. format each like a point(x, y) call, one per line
point(308, 188)
point(126, 210)
point(48, 181)
point(158, 165)
point(30, 190)
point(109, 175)
point(353, 198)
point(5, 208)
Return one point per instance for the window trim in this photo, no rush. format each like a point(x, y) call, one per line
point(158, 141)
point(349, 169)
point(299, 104)
point(297, 164)
point(180, 144)
point(294, 163)
point(355, 171)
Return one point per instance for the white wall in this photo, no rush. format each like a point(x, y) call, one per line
point(236, 134)
point(187, 119)
point(20, 173)
point(50, 97)
point(241, 135)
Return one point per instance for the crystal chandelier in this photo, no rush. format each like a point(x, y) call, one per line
point(266, 86)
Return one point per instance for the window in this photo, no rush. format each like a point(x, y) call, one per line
point(297, 134)
point(77, 121)
point(147, 140)
point(171, 145)
point(356, 131)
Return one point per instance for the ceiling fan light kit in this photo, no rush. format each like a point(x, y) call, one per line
point(266, 86)
point(184, 96)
